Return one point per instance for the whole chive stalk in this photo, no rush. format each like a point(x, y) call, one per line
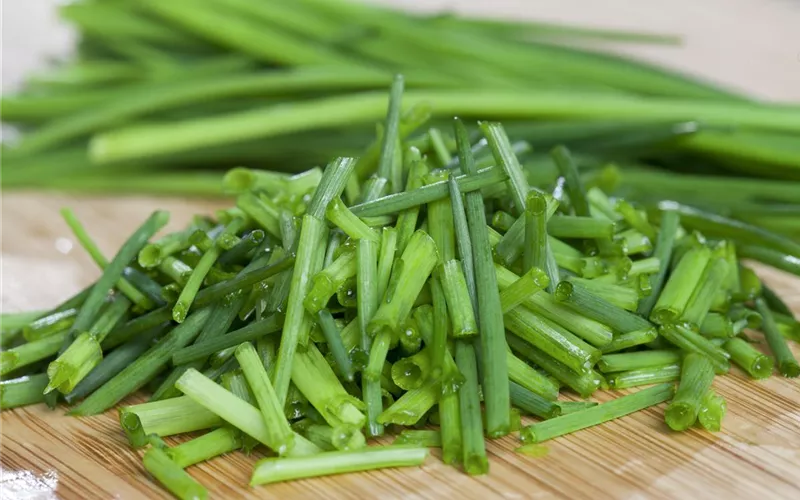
point(367, 305)
point(574, 187)
point(598, 308)
point(201, 270)
point(504, 156)
point(567, 226)
point(712, 411)
point(172, 476)
point(125, 286)
point(713, 279)
point(49, 324)
point(240, 414)
point(532, 403)
point(341, 216)
point(281, 438)
point(787, 364)
point(27, 354)
point(209, 445)
point(420, 438)
point(141, 371)
point(529, 284)
point(697, 374)
point(619, 295)
point(635, 360)
point(680, 286)
point(532, 380)
point(754, 362)
point(261, 210)
point(490, 314)
point(334, 340)
point(474, 449)
point(386, 256)
point(459, 305)
point(326, 282)
point(22, 391)
point(164, 418)
point(663, 251)
point(644, 376)
point(689, 341)
point(248, 333)
point(596, 415)
point(271, 470)
point(630, 339)
point(413, 269)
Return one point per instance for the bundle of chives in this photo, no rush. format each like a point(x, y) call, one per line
point(311, 340)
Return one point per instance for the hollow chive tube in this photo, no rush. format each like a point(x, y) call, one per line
point(573, 185)
point(680, 286)
point(620, 296)
point(635, 219)
point(635, 360)
point(567, 226)
point(689, 341)
point(144, 368)
point(172, 476)
point(532, 380)
point(270, 470)
point(568, 407)
point(473, 446)
point(341, 216)
point(325, 283)
point(604, 412)
point(411, 372)
point(209, 445)
point(494, 373)
point(463, 241)
point(712, 411)
point(716, 325)
point(280, 434)
point(425, 438)
point(164, 418)
point(440, 326)
point(532, 282)
point(504, 156)
point(250, 332)
point(663, 251)
point(153, 254)
point(413, 269)
point(512, 244)
point(49, 324)
point(502, 221)
point(459, 305)
point(27, 354)
point(697, 374)
point(334, 340)
point(754, 362)
point(412, 405)
point(537, 252)
point(644, 376)
point(630, 339)
point(335, 438)
point(599, 309)
point(386, 256)
point(787, 364)
point(22, 391)
point(713, 279)
point(532, 403)
point(450, 417)
point(441, 224)
point(407, 219)
point(367, 302)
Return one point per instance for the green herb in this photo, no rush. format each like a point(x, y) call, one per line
point(697, 374)
point(172, 476)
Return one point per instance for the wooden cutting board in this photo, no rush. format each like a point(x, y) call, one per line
point(757, 454)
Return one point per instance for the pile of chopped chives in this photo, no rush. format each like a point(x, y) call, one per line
point(447, 289)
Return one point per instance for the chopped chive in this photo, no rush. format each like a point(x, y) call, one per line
point(412, 405)
point(335, 438)
point(630, 339)
point(334, 341)
point(459, 305)
point(635, 360)
point(344, 219)
point(421, 438)
point(568, 407)
point(620, 296)
point(689, 341)
point(521, 373)
point(680, 286)
point(567, 226)
point(145, 367)
point(517, 292)
point(750, 284)
point(504, 156)
point(440, 329)
point(716, 325)
point(172, 476)
point(441, 225)
point(410, 373)
point(49, 324)
point(754, 362)
point(209, 445)
point(439, 147)
point(697, 374)
point(330, 186)
point(386, 256)
point(596, 415)
point(502, 221)
point(511, 245)
point(407, 219)
point(787, 364)
point(27, 354)
point(248, 333)
point(22, 391)
point(463, 241)
point(535, 253)
point(598, 308)
point(577, 195)
point(474, 449)
point(712, 411)
point(391, 130)
point(644, 376)
point(532, 403)
point(450, 424)
point(326, 282)
point(271, 470)
point(263, 211)
point(635, 219)
point(367, 304)
point(663, 251)
point(714, 277)
point(164, 418)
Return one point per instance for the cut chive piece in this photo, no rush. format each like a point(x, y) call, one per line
point(249, 333)
point(412, 405)
point(620, 296)
point(787, 364)
point(391, 131)
point(680, 286)
point(209, 445)
point(529, 284)
point(635, 219)
point(713, 279)
point(757, 364)
point(172, 476)
point(367, 301)
point(419, 438)
point(712, 411)
point(690, 341)
point(49, 324)
point(450, 426)
point(599, 309)
point(22, 391)
point(341, 216)
point(631, 339)
point(716, 325)
point(663, 251)
point(459, 305)
point(567, 226)
point(473, 446)
point(272, 470)
point(164, 418)
point(697, 374)
point(463, 241)
point(326, 282)
point(537, 252)
point(532, 380)
point(334, 178)
point(596, 415)
point(407, 219)
point(29, 353)
point(504, 156)
point(635, 360)
point(577, 195)
point(568, 407)
point(334, 340)
point(441, 225)
point(532, 403)
point(335, 438)
point(386, 256)
point(281, 438)
point(264, 212)
point(644, 376)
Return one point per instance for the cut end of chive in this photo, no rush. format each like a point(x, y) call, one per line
point(8, 361)
point(238, 180)
point(150, 256)
point(664, 316)
point(563, 291)
point(132, 426)
point(179, 312)
point(476, 465)
point(789, 369)
point(762, 367)
point(680, 416)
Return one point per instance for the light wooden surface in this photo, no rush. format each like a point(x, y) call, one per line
point(749, 44)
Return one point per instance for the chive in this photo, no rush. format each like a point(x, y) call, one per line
point(504, 156)
point(421, 438)
point(663, 251)
point(248, 333)
point(136, 296)
point(439, 147)
point(689, 341)
point(502, 221)
point(713, 279)
point(511, 245)
point(463, 241)
point(327, 281)
point(164, 418)
point(697, 374)
point(568, 407)
point(716, 325)
point(281, 438)
point(756, 364)
point(367, 305)
point(459, 305)
point(270, 470)
point(263, 211)
point(532, 403)
point(577, 195)
point(450, 424)
point(391, 131)
point(22, 391)
point(388, 249)
point(27, 354)
point(209, 445)
point(635, 360)
point(339, 438)
point(345, 220)
point(778, 260)
point(529, 284)
point(599, 309)
point(334, 341)
point(407, 219)
point(712, 411)
point(49, 324)
point(154, 253)
point(410, 373)
point(750, 285)
point(635, 219)
point(474, 449)
point(530, 379)
point(644, 376)
point(377, 355)
point(138, 373)
point(619, 295)
point(630, 339)
point(172, 476)
point(787, 364)
point(535, 253)
point(599, 414)
point(412, 405)
point(566, 226)
point(775, 303)
point(440, 329)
